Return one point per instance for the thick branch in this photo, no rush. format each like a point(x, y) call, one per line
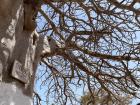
point(105, 56)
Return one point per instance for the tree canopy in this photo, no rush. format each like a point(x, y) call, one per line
point(94, 45)
point(101, 98)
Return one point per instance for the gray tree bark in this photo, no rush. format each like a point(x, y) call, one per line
point(20, 49)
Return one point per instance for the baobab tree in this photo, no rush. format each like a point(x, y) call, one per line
point(91, 44)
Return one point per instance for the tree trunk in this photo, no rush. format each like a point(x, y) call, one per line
point(20, 48)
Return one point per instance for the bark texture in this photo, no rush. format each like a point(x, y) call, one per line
point(18, 41)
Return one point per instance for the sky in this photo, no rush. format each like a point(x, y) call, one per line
point(42, 91)
point(135, 101)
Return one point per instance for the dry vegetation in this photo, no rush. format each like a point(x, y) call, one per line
point(94, 45)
